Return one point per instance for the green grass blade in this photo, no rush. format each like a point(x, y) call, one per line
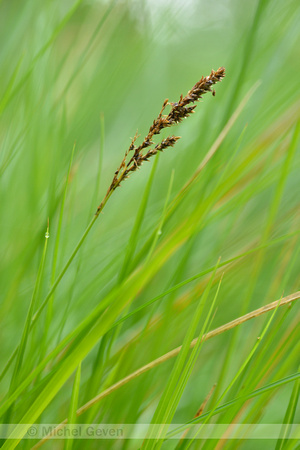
point(74, 405)
point(162, 219)
point(289, 416)
point(100, 163)
point(10, 85)
point(173, 386)
point(132, 243)
point(49, 312)
point(41, 52)
point(25, 334)
point(171, 409)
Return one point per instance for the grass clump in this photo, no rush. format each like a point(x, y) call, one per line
point(132, 321)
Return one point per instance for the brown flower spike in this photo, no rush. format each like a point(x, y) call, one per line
point(179, 110)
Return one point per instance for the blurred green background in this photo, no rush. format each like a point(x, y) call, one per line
point(93, 73)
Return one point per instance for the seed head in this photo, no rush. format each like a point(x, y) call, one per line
point(179, 110)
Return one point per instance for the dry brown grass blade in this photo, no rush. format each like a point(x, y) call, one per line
point(228, 326)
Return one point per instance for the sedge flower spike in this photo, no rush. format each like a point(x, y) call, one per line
point(179, 111)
